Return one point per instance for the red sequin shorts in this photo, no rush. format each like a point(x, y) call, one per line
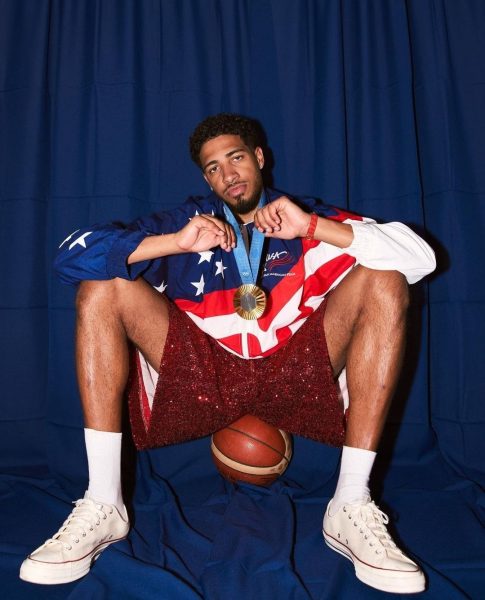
point(202, 388)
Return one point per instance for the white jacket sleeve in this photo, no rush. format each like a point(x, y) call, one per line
point(391, 246)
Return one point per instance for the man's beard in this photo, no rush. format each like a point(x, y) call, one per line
point(246, 205)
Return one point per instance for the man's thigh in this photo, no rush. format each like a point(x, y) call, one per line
point(145, 317)
point(344, 304)
point(135, 306)
point(380, 296)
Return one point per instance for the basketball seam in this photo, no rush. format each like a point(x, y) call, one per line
point(225, 455)
point(258, 440)
point(253, 469)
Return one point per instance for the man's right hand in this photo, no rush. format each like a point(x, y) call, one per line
point(201, 233)
point(204, 232)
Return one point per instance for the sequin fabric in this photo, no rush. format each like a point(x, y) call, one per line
point(202, 387)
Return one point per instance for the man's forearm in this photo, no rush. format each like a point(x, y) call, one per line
point(333, 232)
point(154, 246)
point(388, 246)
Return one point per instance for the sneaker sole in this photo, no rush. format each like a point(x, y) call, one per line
point(409, 582)
point(54, 573)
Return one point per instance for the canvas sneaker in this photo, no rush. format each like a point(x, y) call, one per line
point(358, 532)
point(69, 554)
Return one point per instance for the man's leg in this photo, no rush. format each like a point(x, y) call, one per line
point(110, 314)
point(365, 327)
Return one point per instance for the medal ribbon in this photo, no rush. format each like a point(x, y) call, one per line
point(248, 266)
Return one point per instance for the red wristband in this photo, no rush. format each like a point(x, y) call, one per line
point(311, 227)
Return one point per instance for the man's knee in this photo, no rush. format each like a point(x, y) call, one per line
point(93, 294)
point(388, 289)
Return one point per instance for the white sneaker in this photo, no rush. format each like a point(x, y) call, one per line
point(69, 554)
point(358, 532)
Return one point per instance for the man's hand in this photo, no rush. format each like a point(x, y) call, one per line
point(282, 219)
point(203, 232)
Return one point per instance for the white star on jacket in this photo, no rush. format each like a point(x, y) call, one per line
point(68, 238)
point(205, 256)
point(161, 288)
point(199, 285)
point(220, 268)
point(81, 240)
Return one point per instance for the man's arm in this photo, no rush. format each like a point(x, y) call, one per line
point(201, 233)
point(98, 253)
point(391, 246)
point(332, 232)
point(283, 219)
point(108, 251)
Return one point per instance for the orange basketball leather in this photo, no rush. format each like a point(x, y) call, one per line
point(251, 450)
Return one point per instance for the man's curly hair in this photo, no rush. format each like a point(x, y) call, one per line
point(248, 129)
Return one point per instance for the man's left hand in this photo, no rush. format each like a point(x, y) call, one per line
point(282, 219)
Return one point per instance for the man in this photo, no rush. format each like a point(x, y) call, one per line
point(210, 320)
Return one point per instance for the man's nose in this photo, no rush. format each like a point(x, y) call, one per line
point(229, 174)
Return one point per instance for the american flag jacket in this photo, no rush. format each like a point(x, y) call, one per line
point(296, 274)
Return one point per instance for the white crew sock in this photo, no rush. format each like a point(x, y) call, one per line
point(353, 482)
point(103, 449)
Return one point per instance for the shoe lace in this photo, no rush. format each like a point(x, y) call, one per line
point(372, 522)
point(83, 519)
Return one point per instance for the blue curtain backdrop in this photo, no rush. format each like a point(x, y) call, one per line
point(373, 105)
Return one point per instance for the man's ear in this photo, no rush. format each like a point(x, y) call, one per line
point(258, 152)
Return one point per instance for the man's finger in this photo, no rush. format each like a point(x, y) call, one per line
point(269, 215)
point(231, 236)
point(226, 240)
point(261, 223)
point(273, 216)
point(210, 223)
point(229, 241)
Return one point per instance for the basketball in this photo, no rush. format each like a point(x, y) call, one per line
point(251, 451)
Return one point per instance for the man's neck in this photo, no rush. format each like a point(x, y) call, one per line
point(245, 219)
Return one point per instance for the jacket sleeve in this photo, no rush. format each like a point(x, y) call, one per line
point(391, 246)
point(101, 252)
point(388, 246)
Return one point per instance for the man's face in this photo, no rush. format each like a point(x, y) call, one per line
point(234, 173)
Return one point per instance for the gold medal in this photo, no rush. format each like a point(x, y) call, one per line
point(249, 301)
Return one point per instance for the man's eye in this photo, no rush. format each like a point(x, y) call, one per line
point(237, 157)
point(212, 170)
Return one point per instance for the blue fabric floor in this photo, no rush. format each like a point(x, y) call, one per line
point(198, 536)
